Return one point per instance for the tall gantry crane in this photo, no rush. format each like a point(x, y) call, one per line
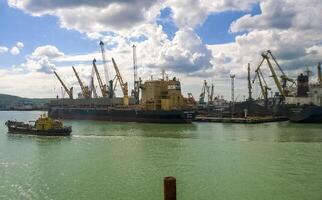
point(100, 82)
point(68, 91)
point(123, 84)
point(85, 89)
point(136, 91)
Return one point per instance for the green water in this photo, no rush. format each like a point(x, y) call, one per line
point(127, 161)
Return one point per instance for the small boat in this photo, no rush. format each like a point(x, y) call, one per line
point(43, 126)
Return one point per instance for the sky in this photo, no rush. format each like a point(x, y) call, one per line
point(193, 40)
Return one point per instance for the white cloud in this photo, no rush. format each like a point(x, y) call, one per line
point(48, 51)
point(14, 50)
point(289, 14)
point(20, 45)
point(194, 12)
point(3, 49)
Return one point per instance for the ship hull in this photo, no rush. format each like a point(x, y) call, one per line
point(123, 115)
point(305, 114)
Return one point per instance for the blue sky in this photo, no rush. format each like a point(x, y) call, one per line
point(45, 30)
point(194, 40)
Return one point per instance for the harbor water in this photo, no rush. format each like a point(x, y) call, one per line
point(127, 161)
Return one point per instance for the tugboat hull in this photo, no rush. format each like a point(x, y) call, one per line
point(16, 128)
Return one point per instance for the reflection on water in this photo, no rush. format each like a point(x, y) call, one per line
point(101, 129)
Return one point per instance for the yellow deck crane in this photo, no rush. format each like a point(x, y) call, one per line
point(282, 87)
point(100, 83)
point(85, 89)
point(68, 91)
point(123, 84)
point(262, 83)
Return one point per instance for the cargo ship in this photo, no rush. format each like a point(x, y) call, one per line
point(161, 102)
point(161, 99)
point(306, 106)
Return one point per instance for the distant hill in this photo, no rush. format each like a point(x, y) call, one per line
point(11, 101)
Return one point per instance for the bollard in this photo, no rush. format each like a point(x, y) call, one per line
point(170, 188)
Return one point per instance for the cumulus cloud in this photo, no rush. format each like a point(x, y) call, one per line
point(41, 60)
point(290, 14)
point(20, 45)
point(194, 12)
point(14, 50)
point(3, 49)
point(48, 51)
point(93, 16)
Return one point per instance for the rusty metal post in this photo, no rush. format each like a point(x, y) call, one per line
point(170, 188)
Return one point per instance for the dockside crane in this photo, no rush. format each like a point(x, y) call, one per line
point(123, 84)
point(136, 91)
point(99, 80)
point(68, 91)
point(263, 85)
point(85, 89)
point(282, 87)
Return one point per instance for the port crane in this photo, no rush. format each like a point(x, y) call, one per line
point(68, 91)
point(263, 84)
point(123, 84)
point(85, 89)
point(281, 85)
point(100, 82)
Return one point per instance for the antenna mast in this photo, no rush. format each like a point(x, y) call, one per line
point(136, 81)
point(107, 78)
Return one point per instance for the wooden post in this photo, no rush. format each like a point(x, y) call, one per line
point(170, 188)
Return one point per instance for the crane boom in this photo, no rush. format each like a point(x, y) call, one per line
point(120, 79)
point(68, 91)
point(85, 89)
point(277, 82)
point(122, 83)
point(100, 83)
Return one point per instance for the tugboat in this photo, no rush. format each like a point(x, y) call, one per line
point(43, 126)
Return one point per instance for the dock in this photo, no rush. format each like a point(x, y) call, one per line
point(248, 120)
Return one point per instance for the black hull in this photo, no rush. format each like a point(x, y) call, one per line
point(61, 132)
point(125, 115)
point(304, 114)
